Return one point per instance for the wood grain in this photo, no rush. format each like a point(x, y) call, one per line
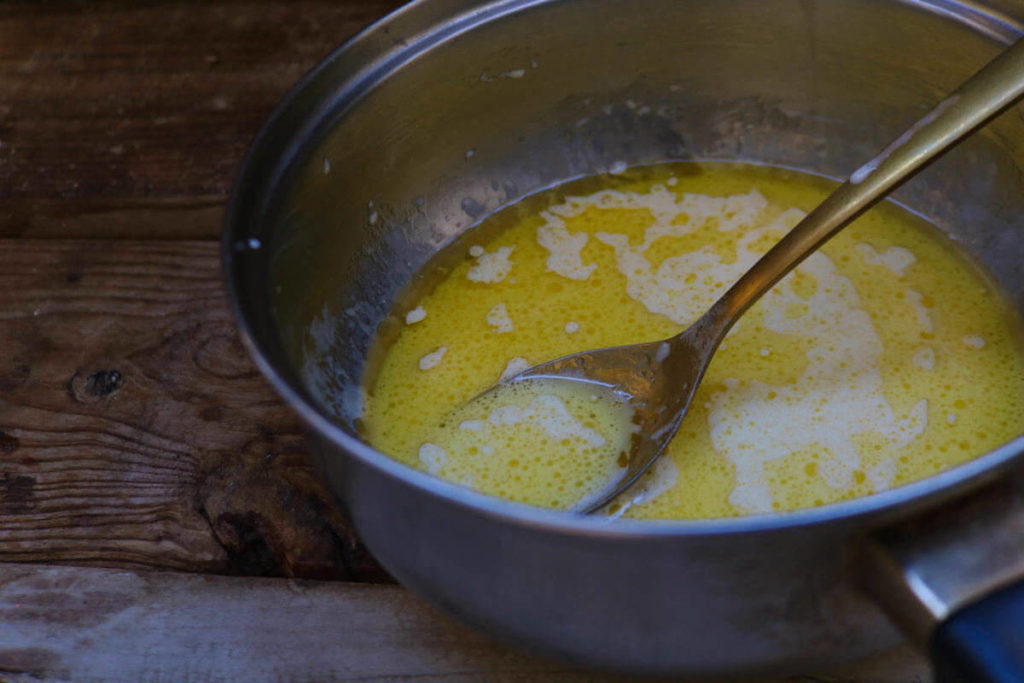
point(134, 428)
point(128, 119)
point(100, 625)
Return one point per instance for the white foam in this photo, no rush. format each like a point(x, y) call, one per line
point(491, 266)
point(513, 368)
point(415, 315)
point(924, 317)
point(882, 474)
point(951, 418)
point(564, 248)
point(506, 415)
point(551, 414)
point(896, 259)
point(839, 395)
point(433, 457)
point(662, 476)
point(499, 319)
point(572, 327)
point(431, 359)
point(924, 358)
point(658, 480)
point(974, 341)
point(472, 425)
point(677, 288)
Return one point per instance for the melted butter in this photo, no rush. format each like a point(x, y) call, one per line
point(883, 359)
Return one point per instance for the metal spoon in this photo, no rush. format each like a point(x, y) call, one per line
point(661, 377)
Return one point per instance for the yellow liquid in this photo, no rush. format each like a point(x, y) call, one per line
point(881, 360)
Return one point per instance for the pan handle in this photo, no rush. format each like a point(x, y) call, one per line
point(953, 580)
point(983, 641)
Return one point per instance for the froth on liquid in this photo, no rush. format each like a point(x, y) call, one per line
point(548, 442)
point(882, 359)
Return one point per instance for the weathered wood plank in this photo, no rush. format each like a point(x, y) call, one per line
point(101, 625)
point(135, 430)
point(128, 119)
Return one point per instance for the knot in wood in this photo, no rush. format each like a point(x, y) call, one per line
point(97, 385)
point(103, 383)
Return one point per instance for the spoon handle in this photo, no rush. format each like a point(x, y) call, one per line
point(998, 85)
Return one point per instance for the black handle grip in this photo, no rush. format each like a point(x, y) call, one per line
point(982, 642)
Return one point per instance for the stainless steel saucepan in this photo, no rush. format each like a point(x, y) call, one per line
point(447, 110)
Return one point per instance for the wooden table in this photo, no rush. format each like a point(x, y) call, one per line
point(159, 518)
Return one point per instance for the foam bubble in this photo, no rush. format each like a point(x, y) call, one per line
point(896, 259)
point(564, 248)
point(974, 341)
point(924, 358)
point(432, 359)
point(499, 319)
point(415, 315)
point(661, 478)
point(924, 318)
point(491, 266)
point(433, 457)
point(552, 415)
point(514, 367)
